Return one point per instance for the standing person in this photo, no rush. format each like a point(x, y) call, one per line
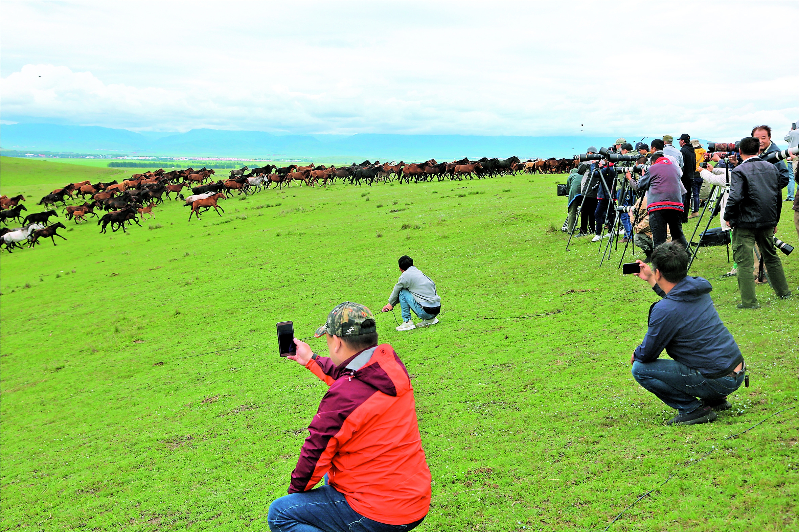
point(575, 199)
point(415, 292)
point(662, 181)
point(763, 135)
point(364, 439)
point(605, 178)
point(588, 186)
point(706, 364)
point(699, 154)
point(753, 211)
point(688, 171)
point(792, 138)
point(672, 152)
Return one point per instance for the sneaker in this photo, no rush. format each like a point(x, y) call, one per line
point(703, 414)
point(596, 238)
point(719, 406)
point(406, 326)
point(606, 236)
point(693, 215)
point(425, 323)
point(755, 306)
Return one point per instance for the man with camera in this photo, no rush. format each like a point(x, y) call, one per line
point(763, 135)
point(662, 183)
point(364, 439)
point(706, 364)
point(792, 138)
point(415, 292)
point(753, 211)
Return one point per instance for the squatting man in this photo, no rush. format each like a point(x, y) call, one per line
point(415, 292)
point(364, 439)
point(706, 364)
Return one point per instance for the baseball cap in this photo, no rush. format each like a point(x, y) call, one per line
point(695, 143)
point(685, 137)
point(592, 149)
point(620, 140)
point(348, 319)
point(641, 146)
point(668, 138)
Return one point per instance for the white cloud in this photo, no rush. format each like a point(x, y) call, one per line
point(533, 68)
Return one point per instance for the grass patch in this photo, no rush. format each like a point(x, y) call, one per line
point(144, 392)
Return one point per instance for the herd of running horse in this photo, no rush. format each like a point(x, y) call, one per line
point(124, 202)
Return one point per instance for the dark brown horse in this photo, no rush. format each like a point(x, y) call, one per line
point(49, 231)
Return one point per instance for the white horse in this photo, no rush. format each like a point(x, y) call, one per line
point(12, 238)
point(256, 181)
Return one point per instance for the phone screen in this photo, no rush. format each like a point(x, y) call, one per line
point(630, 267)
point(285, 338)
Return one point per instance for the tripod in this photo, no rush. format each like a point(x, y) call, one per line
point(624, 196)
point(716, 194)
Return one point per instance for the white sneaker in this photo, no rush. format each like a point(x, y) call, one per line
point(596, 238)
point(406, 326)
point(425, 323)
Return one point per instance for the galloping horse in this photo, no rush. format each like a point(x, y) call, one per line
point(208, 202)
point(49, 231)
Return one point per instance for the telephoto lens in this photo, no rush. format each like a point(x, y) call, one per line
point(782, 246)
point(775, 156)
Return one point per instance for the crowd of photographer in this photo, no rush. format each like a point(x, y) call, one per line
point(673, 183)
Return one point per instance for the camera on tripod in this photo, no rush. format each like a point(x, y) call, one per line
point(775, 156)
point(723, 146)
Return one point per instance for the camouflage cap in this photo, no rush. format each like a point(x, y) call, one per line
point(620, 140)
point(348, 319)
point(668, 139)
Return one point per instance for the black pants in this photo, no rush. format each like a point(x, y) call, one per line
point(587, 215)
point(658, 220)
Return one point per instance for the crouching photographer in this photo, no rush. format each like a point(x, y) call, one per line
point(706, 364)
point(364, 439)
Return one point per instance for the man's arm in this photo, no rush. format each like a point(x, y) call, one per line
point(322, 367)
point(393, 299)
point(663, 326)
point(732, 211)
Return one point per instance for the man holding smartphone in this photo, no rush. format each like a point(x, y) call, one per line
point(364, 439)
point(706, 364)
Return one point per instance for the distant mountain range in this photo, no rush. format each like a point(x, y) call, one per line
point(257, 144)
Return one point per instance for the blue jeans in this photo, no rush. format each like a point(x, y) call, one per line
point(628, 227)
point(323, 510)
point(678, 386)
point(408, 304)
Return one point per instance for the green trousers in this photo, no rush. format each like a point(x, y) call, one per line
point(743, 243)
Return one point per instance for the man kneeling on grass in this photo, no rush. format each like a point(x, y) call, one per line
point(417, 292)
point(364, 439)
point(706, 363)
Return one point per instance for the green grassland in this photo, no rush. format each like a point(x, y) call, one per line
point(140, 387)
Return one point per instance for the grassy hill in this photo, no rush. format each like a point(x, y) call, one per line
point(140, 387)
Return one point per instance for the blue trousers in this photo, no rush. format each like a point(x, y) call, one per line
point(323, 510)
point(679, 386)
point(408, 304)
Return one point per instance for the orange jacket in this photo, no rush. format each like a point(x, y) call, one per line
point(365, 436)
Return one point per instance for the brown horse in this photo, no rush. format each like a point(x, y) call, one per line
point(146, 210)
point(6, 202)
point(208, 202)
point(49, 231)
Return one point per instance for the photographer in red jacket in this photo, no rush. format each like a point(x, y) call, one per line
point(364, 439)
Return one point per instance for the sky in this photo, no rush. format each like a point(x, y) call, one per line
point(712, 69)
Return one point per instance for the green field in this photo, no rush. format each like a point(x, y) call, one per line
point(140, 387)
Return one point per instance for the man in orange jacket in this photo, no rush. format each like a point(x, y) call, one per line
point(364, 439)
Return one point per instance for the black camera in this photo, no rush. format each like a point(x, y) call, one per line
point(589, 157)
point(782, 246)
point(563, 190)
point(616, 157)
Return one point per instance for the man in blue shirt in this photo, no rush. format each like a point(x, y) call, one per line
point(706, 364)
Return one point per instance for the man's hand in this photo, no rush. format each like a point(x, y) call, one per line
point(632, 358)
point(645, 273)
point(304, 353)
point(388, 308)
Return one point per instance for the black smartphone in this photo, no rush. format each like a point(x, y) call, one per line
point(285, 338)
point(630, 267)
